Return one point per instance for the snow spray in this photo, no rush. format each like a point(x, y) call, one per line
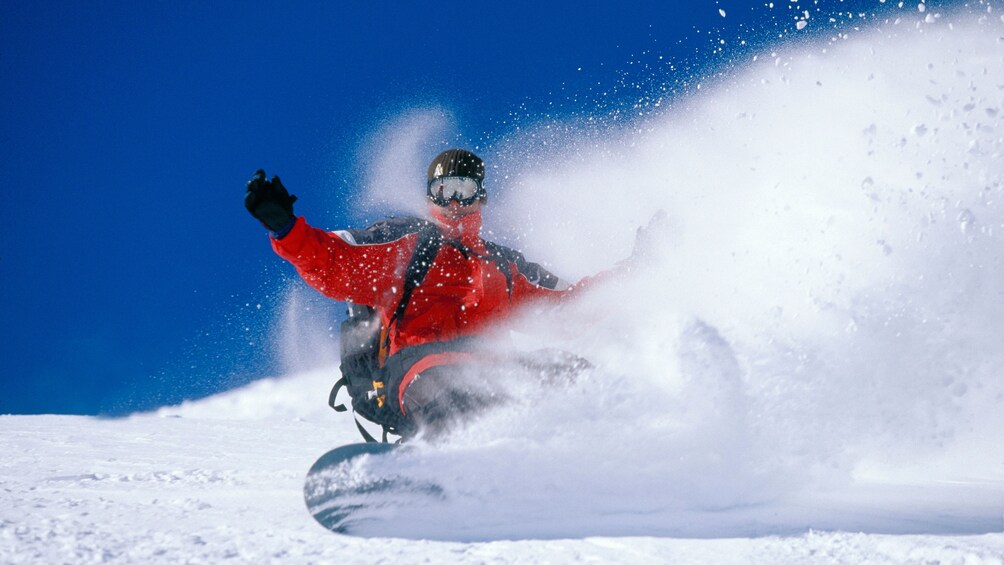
point(823, 301)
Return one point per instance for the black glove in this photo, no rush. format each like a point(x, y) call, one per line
point(269, 202)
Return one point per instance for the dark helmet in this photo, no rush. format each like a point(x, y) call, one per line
point(457, 163)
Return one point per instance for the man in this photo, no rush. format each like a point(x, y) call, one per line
point(427, 289)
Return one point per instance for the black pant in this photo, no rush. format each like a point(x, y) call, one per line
point(440, 396)
point(444, 395)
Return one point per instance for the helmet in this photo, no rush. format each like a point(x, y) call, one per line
point(458, 163)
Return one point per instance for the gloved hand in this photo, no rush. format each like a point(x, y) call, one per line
point(649, 237)
point(269, 202)
point(648, 240)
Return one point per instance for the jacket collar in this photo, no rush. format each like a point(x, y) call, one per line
point(466, 229)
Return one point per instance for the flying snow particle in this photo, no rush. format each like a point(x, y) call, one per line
point(801, 24)
point(886, 248)
point(721, 11)
point(966, 220)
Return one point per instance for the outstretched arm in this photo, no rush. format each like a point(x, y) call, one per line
point(539, 284)
point(331, 262)
point(270, 203)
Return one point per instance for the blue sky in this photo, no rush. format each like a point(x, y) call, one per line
point(131, 274)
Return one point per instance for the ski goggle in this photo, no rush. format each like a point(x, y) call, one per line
point(464, 190)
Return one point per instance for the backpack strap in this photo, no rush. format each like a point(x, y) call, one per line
point(366, 435)
point(495, 255)
point(430, 240)
point(426, 249)
point(339, 385)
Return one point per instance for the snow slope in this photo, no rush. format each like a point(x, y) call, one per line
point(814, 373)
point(191, 485)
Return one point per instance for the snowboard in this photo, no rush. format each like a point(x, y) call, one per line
point(355, 488)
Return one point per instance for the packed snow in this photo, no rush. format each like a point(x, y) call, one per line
point(804, 365)
point(221, 479)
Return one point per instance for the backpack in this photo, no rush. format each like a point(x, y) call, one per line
point(364, 340)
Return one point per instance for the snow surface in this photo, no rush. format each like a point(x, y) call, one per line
point(221, 479)
point(813, 375)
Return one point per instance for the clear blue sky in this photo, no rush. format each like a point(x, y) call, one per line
point(128, 130)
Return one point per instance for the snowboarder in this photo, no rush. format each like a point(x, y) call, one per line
point(420, 291)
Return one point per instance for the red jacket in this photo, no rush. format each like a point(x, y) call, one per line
point(463, 293)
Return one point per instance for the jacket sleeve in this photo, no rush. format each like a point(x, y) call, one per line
point(334, 264)
point(533, 283)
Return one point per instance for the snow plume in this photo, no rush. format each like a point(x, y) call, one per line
point(305, 336)
point(824, 300)
point(393, 160)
